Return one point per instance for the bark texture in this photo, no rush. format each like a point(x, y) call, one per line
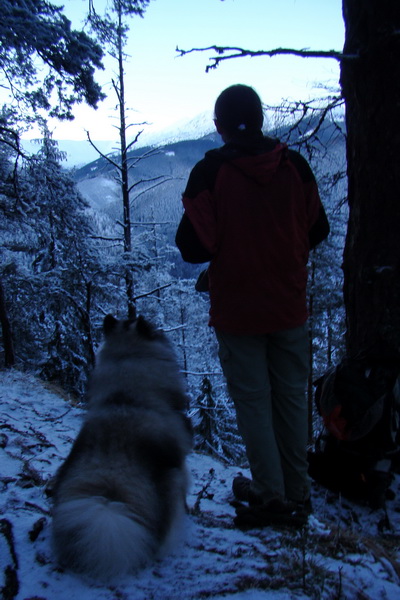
point(371, 88)
point(8, 344)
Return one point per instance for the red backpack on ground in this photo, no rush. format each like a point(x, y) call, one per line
point(359, 447)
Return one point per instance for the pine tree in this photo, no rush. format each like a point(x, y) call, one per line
point(45, 64)
point(50, 269)
point(46, 67)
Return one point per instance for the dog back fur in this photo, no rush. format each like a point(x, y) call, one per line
point(120, 494)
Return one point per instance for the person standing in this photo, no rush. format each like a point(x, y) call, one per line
point(252, 210)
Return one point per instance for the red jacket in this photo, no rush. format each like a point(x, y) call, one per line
point(252, 208)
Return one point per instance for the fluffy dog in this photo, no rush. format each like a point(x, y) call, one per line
point(120, 494)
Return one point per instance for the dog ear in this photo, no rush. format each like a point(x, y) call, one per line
point(109, 324)
point(145, 329)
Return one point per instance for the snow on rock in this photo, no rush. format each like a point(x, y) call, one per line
point(341, 554)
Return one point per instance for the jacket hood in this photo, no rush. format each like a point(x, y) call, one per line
point(256, 156)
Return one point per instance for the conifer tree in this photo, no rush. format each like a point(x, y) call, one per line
point(50, 268)
point(43, 62)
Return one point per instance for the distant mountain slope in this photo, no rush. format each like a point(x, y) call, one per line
point(97, 183)
point(96, 180)
point(79, 153)
point(165, 158)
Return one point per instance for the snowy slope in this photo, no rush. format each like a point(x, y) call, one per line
point(340, 554)
point(192, 129)
point(79, 153)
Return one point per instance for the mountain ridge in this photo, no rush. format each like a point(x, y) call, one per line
point(81, 152)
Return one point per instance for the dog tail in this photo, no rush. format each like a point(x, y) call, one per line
point(101, 538)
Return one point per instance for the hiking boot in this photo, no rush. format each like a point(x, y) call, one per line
point(304, 507)
point(241, 488)
point(276, 512)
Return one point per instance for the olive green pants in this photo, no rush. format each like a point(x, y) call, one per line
point(267, 378)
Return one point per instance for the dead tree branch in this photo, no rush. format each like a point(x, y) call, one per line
point(157, 181)
point(229, 52)
point(158, 289)
point(105, 156)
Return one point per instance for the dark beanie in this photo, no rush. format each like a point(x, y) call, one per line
point(237, 107)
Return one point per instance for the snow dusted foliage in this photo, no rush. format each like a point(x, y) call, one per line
point(63, 269)
point(343, 553)
point(306, 128)
point(43, 59)
point(49, 270)
point(211, 410)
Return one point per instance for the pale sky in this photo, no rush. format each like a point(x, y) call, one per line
point(163, 88)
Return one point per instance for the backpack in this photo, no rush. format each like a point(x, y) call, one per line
point(359, 447)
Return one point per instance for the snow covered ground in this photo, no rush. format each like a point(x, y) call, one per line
point(342, 554)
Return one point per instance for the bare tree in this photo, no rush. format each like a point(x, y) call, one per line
point(112, 30)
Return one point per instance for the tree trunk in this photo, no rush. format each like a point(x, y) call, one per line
point(124, 172)
point(371, 88)
point(310, 383)
point(9, 356)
